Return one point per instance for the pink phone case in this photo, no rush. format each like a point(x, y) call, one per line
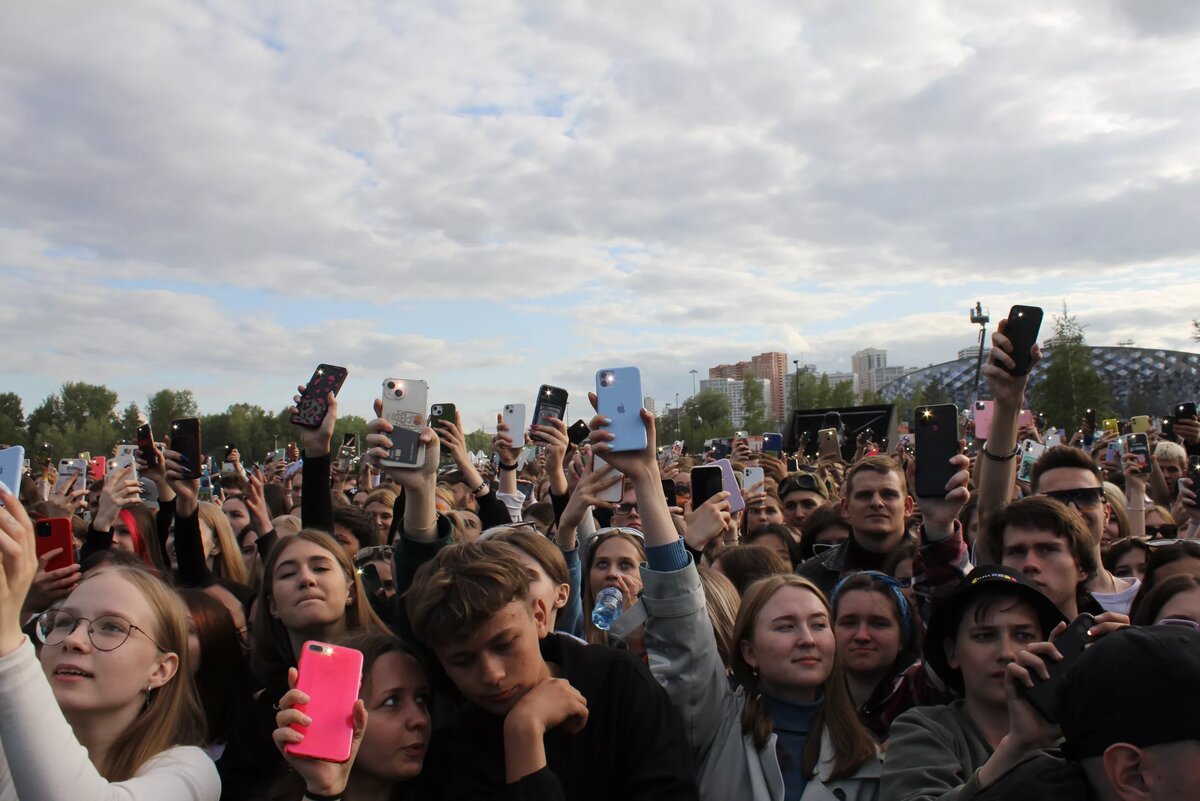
point(983, 419)
point(330, 675)
point(730, 484)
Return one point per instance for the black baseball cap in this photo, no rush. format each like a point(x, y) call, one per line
point(985, 580)
point(1138, 685)
point(803, 481)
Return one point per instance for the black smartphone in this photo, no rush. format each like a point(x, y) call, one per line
point(551, 402)
point(721, 449)
point(145, 443)
point(1090, 416)
point(1022, 328)
point(792, 465)
point(1071, 643)
point(577, 434)
point(1138, 444)
point(350, 441)
point(185, 438)
point(229, 448)
point(1194, 472)
point(372, 583)
point(1039, 421)
point(937, 442)
point(1185, 411)
point(668, 485)
point(525, 488)
point(706, 482)
point(310, 411)
point(442, 411)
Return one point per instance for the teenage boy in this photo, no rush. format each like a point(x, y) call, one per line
point(1062, 472)
point(952, 752)
point(876, 504)
point(1049, 544)
point(548, 718)
point(802, 494)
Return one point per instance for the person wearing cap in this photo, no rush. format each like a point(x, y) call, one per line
point(952, 752)
point(876, 503)
point(802, 494)
point(1120, 742)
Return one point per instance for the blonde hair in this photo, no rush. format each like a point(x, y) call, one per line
point(590, 633)
point(286, 525)
point(1163, 512)
point(722, 600)
point(272, 652)
point(173, 715)
point(852, 745)
point(228, 564)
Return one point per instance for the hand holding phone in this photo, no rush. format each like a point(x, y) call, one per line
point(329, 677)
point(1070, 644)
point(1021, 329)
point(937, 444)
point(314, 402)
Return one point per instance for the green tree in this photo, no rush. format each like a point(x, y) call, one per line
point(754, 406)
point(48, 414)
point(842, 394)
point(479, 440)
point(131, 418)
point(705, 416)
point(1070, 383)
point(936, 392)
point(88, 401)
point(13, 430)
point(169, 404)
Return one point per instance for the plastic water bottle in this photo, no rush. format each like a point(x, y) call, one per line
point(609, 603)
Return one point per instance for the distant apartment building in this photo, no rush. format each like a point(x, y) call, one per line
point(732, 389)
point(768, 367)
point(648, 405)
point(871, 370)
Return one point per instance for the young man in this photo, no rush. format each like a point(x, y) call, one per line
point(802, 494)
point(876, 503)
point(951, 752)
point(1172, 461)
point(1049, 544)
point(545, 718)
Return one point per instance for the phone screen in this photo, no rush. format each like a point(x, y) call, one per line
point(706, 482)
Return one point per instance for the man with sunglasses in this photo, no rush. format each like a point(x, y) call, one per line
point(1063, 473)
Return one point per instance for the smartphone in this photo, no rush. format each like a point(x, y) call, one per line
point(310, 411)
point(741, 434)
point(832, 420)
point(1022, 328)
point(206, 489)
point(792, 465)
point(613, 493)
point(668, 485)
point(983, 418)
point(73, 467)
point(330, 676)
point(371, 580)
point(937, 443)
point(404, 404)
point(619, 398)
point(439, 412)
point(730, 484)
point(185, 439)
point(707, 481)
point(12, 467)
point(1139, 445)
point(773, 443)
point(1030, 452)
point(1185, 411)
point(1071, 644)
point(513, 415)
point(577, 434)
point(1113, 425)
point(1054, 438)
point(145, 443)
point(351, 440)
point(551, 402)
point(1140, 424)
point(51, 533)
point(752, 476)
point(1112, 452)
point(828, 443)
point(1194, 473)
point(97, 468)
point(1025, 418)
point(123, 459)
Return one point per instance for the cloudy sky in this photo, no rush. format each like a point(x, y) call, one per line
point(491, 195)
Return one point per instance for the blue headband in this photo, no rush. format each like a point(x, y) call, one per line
point(906, 622)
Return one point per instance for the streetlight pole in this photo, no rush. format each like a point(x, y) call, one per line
point(693, 372)
point(796, 382)
point(980, 318)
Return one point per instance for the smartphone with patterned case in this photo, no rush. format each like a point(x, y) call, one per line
point(310, 411)
point(404, 404)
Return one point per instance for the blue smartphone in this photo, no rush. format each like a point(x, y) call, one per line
point(773, 443)
point(619, 398)
point(12, 466)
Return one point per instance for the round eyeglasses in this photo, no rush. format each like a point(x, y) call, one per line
point(106, 633)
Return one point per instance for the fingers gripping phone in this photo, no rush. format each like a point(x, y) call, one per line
point(404, 404)
point(619, 398)
point(185, 439)
point(51, 533)
point(12, 466)
point(706, 482)
point(729, 483)
point(1139, 445)
point(442, 411)
point(330, 676)
point(753, 478)
point(937, 443)
point(551, 402)
point(1022, 328)
point(310, 411)
point(77, 470)
point(1071, 644)
point(611, 494)
point(578, 432)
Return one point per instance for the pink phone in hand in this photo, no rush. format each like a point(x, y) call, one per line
point(330, 675)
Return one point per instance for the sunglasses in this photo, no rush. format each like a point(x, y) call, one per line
point(1166, 531)
point(1084, 498)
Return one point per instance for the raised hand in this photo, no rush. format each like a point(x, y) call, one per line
point(120, 491)
point(317, 440)
point(321, 777)
point(18, 566)
point(187, 490)
point(1008, 390)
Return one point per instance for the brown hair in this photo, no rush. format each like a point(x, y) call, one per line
point(462, 588)
point(822, 518)
point(1043, 513)
point(229, 564)
point(590, 633)
point(272, 653)
point(746, 564)
point(722, 601)
point(853, 746)
point(875, 464)
point(540, 549)
point(1061, 456)
point(222, 674)
point(1153, 603)
point(172, 715)
point(1118, 511)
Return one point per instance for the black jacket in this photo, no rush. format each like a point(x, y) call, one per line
point(633, 747)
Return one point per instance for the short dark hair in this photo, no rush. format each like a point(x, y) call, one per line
point(357, 522)
point(822, 518)
point(780, 532)
point(746, 564)
point(1156, 599)
point(1043, 513)
point(1063, 456)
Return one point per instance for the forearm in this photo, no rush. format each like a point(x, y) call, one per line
point(558, 479)
point(420, 513)
point(189, 552)
point(524, 750)
point(508, 479)
point(1135, 507)
point(316, 505)
point(657, 525)
point(1159, 491)
point(996, 475)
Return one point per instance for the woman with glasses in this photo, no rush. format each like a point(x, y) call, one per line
point(1160, 523)
point(111, 713)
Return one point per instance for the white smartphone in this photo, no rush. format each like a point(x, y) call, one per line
point(123, 459)
point(613, 493)
point(513, 415)
point(753, 478)
point(404, 403)
point(73, 467)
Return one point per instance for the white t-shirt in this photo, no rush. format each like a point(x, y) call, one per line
point(40, 759)
point(1121, 600)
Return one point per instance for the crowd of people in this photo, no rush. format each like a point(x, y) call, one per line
point(827, 635)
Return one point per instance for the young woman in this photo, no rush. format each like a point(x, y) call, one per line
point(111, 713)
point(1126, 558)
point(1176, 598)
point(379, 506)
point(824, 529)
point(780, 539)
point(614, 555)
point(218, 665)
point(392, 728)
point(787, 728)
point(747, 564)
point(223, 556)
